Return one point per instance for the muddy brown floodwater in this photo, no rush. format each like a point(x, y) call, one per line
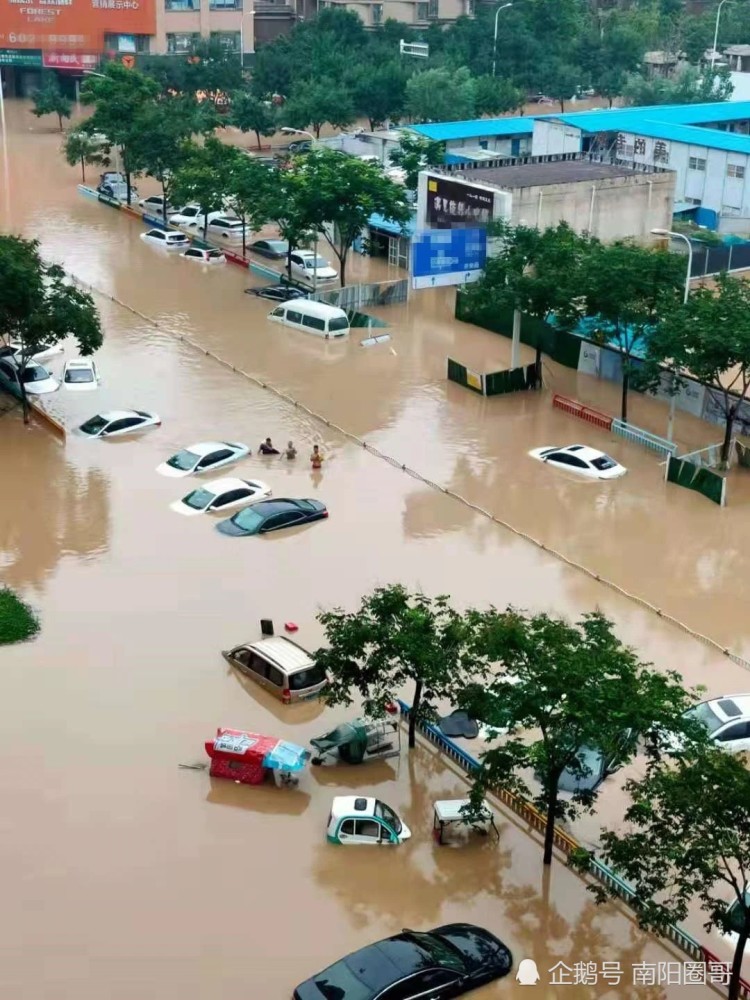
point(125, 876)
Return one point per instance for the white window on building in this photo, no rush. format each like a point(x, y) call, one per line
point(182, 41)
point(697, 163)
point(693, 201)
point(729, 210)
point(735, 170)
point(377, 13)
point(231, 41)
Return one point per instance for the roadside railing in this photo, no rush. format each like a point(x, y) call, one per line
point(586, 413)
point(567, 844)
point(638, 436)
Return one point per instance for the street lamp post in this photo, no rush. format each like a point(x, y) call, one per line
point(716, 32)
point(686, 295)
point(286, 130)
point(494, 41)
point(6, 168)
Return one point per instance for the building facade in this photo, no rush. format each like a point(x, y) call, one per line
point(416, 13)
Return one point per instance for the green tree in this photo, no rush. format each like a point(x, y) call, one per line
point(394, 638)
point(118, 95)
point(251, 192)
point(214, 70)
point(204, 176)
point(690, 86)
point(441, 95)
point(710, 338)
point(560, 80)
point(162, 139)
point(250, 114)
point(287, 203)
point(315, 102)
point(344, 192)
point(50, 100)
point(39, 306)
point(379, 91)
point(687, 839)
point(496, 96)
point(415, 153)
point(80, 147)
point(626, 288)
point(578, 687)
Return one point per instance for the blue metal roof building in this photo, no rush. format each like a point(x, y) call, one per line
point(475, 129)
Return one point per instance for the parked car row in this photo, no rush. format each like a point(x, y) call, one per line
point(182, 243)
point(79, 374)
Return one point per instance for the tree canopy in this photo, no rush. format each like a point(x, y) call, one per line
point(556, 690)
point(709, 337)
point(441, 95)
point(250, 114)
point(50, 100)
point(685, 839)
point(395, 639)
point(39, 306)
point(80, 147)
point(415, 153)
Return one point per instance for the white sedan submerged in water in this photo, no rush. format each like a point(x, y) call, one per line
point(220, 495)
point(117, 422)
point(205, 456)
point(581, 459)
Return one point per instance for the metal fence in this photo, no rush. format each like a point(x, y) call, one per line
point(711, 260)
point(637, 435)
point(586, 413)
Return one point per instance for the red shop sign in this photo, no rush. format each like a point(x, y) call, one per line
point(77, 61)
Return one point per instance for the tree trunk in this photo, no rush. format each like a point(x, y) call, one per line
point(244, 235)
point(316, 129)
point(24, 397)
point(624, 405)
point(83, 170)
point(562, 105)
point(342, 263)
point(549, 830)
point(257, 137)
point(734, 979)
point(413, 714)
point(59, 119)
point(164, 202)
point(727, 442)
point(127, 185)
point(289, 260)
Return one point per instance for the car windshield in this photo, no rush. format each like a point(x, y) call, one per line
point(306, 678)
point(35, 373)
point(315, 262)
point(439, 950)
point(248, 519)
point(184, 460)
point(386, 813)
point(213, 254)
point(338, 323)
point(706, 715)
point(79, 375)
point(199, 499)
point(339, 983)
point(94, 425)
point(278, 246)
point(603, 462)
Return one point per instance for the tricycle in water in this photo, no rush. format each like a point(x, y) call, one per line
point(249, 758)
point(359, 741)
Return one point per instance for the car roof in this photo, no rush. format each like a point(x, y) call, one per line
point(282, 651)
point(306, 253)
point(205, 447)
point(742, 701)
point(117, 414)
point(222, 485)
point(379, 965)
point(79, 363)
point(275, 505)
point(350, 805)
point(582, 451)
point(228, 218)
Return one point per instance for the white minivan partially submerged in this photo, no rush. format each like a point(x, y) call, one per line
point(317, 318)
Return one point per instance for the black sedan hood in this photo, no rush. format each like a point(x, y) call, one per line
point(478, 948)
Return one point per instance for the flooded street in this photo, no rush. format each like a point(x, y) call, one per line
point(129, 877)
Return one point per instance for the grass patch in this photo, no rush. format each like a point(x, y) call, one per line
point(17, 620)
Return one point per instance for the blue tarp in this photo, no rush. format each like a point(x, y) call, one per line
point(286, 757)
point(394, 228)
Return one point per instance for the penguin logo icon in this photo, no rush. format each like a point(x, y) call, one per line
point(528, 974)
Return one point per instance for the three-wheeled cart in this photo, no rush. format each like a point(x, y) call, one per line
point(453, 812)
point(359, 741)
point(250, 758)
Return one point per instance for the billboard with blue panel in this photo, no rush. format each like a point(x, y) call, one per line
point(447, 256)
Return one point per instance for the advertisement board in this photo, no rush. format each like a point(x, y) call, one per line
point(455, 205)
point(447, 256)
point(64, 25)
point(75, 61)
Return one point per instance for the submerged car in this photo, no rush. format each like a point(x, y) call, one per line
point(169, 241)
point(117, 422)
point(36, 379)
point(726, 720)
point(271, 515)
point(277, 293)
point(273, 249)
point(581, 459)
point(448, 961)
point(283, 667)
point(42, 353)
point(205, 456)
point(311, 267)
point(204, 256)
point(154, 205)
point(221, 494)
point(358, 820)
point(80, 375)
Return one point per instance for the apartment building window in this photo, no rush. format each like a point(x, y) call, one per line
point(432, 8)
point(182, 5)
point(377, 13)
point(231, 41)
point(735, 170)
point(182, 41)
point(697, 163)
point(126, 43)
point(225, 5)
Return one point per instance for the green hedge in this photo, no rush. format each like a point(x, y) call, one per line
point(17, 620)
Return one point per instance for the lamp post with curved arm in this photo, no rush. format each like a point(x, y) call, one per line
point(494, 41)
point(686, 295)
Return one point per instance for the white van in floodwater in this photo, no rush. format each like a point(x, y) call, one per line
point(317, 318)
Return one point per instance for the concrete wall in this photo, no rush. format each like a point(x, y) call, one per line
point(610, 209)
point(203, 21)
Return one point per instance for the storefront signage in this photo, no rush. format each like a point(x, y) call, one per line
point(447, 256)
point(78, 61)
point(16, 57)
point(452, 205)
point(72, 25)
